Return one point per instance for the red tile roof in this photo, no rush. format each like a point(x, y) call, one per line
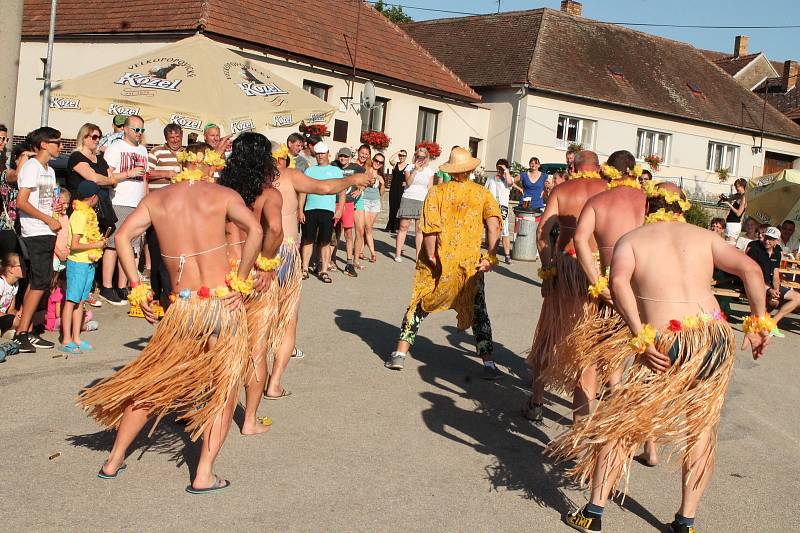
point(323, 31)
point(568, 55)
point(733, 65)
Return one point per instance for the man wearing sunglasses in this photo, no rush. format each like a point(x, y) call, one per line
point(128, 161)
point(38, 215)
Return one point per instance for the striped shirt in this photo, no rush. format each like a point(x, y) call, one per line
point(162, 158)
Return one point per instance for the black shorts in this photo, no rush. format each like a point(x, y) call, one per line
point(318, 227)
point(38, 254)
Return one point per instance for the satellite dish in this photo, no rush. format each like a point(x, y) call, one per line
point(368, 95)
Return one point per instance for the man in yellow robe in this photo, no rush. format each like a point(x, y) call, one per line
point(450, 267)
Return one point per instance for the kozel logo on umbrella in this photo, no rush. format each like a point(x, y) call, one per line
point(282, 120)
point(187, 123)
point(245, 124)
point(122, 109)
point(63, 102)
point(253, 83)
point(157, 74)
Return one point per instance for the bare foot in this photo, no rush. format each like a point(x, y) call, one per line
point(255, 427)
point(646, 459)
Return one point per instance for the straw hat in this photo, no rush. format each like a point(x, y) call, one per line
point(461, 160)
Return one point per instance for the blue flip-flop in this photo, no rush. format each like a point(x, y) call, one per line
point(115, 475)
point(70, 348)
point(85, 346)
point(219, 484)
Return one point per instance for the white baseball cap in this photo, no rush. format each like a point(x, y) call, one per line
point(321, 148)
point(772, 233)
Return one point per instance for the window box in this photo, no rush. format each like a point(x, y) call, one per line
point(722, 156)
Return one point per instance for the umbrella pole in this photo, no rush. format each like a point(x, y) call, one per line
point(48, 66)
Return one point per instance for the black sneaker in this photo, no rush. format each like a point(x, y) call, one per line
point(110, 295)
point(123, 295)
point(578, 521)
point(39, 342)
point(24, 342)
point(491, 373)
point(676, 527)
point(350, 270)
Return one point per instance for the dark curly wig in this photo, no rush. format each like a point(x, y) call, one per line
point(250, 167)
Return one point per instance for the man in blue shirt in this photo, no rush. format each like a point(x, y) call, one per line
point(319, 212)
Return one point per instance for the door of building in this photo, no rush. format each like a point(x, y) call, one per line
point(775, 162)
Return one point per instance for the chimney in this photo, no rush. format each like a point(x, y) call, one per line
point(740, 45)
point(570, 7)
point(790, 71)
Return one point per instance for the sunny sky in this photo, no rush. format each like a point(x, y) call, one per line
point(778, 44)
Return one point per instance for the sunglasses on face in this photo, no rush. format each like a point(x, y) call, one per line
point(402, 155)
point(55, 141)
point(94, 137)
point(377, 161)
point(3, 139)
point(137, 130)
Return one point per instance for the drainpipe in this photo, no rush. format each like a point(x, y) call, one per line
point(523, 90)
point(9, 68)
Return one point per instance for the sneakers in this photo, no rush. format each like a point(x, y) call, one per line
point(123, 295)
point(396, 361)
point(111, 296)
point(491, 373)
point(24, 342)
point(350, 270)
point(93, 301)
point(398, 259)
point(508, 259)
point(676, 527)
point(39, 342)
point(533, 411)
point(583, 523)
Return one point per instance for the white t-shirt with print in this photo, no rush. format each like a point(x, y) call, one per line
point(8, 293)
point(42, 182)
point(123, 156)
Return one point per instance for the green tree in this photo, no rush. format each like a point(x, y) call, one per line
point(393, 13)
point(698, 216)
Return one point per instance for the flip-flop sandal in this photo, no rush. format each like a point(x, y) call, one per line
point(305, 274)
point(333, 268)
point(325, 278)
point(115, 475)
point(373, 259)
point(219, 484)
point(284, 394)
point(70, 348)
point(297, 353)
point(85, 346)
point(264, 420)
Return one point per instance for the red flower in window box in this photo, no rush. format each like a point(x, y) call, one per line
point(432, 147)
point(572, 252)
point(203, 292)
point(376, 139)
point(320, 130)
point(675, 325)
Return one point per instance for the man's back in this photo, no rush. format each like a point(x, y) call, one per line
point(188, 220)
point(571, 197)
point(616, 212)
point(285, 186)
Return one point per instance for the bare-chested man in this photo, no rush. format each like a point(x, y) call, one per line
point(563, 284)
point(197, 359)
point(661, 284)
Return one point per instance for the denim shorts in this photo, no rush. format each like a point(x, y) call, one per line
point(372, 206)
point(80, 278)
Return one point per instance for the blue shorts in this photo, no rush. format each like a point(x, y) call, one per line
point(80, 278)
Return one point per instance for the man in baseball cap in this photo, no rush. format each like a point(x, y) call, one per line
point(321, 148)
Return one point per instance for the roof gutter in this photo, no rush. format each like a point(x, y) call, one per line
point(755, 132)
point(512, 151)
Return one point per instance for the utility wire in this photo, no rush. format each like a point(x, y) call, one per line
point(649, 24)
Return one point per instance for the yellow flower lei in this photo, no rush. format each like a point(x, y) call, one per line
point(653, 191)
point(663, 216)
point(759, 324)
point(140, 294)
point(92, 233)
point(209, 157)
point(281, 152)
point(645, 338)
point(627, 182)
point(598, 287)
point(547, 272)
point(610, 172)
point(242, 286)
point(636, 171)
point(587, 174)
point(492, 258)
point(265, 265)
point(189, 175)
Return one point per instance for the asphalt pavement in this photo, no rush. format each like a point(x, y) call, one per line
point(358, 447)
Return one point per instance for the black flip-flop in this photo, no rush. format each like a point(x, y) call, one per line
point(305, 274)
point(284, 394)
point(324, 277)
point(219, 484)
point(115, 475)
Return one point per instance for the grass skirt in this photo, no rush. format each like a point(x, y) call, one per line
point(600, 339)
point(560, 309)
point(175, 372)
point(672, 408)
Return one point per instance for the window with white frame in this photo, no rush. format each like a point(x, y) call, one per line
point(652, 143)
point(376, 117)
point(320, 90)
point(721, 155)
point(427, 124)
point(575, 130)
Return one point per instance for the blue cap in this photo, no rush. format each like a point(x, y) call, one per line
point(86, 189)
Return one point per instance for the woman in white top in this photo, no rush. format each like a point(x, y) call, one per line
point(418, 179)
point(500, 186)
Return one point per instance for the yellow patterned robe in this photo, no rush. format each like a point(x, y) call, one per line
point(456, 211)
